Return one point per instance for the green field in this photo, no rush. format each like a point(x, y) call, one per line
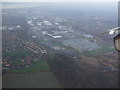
point(36, 76)
point(98, 51)
point(105, 47)
point(50, 54)
point(33, 80)
point(58, 43)
point(41, 65)
point(17, 53)
point(16, 61)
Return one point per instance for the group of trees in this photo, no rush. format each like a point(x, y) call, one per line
point(83, 75)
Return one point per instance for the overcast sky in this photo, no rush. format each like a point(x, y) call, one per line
point(60, 0)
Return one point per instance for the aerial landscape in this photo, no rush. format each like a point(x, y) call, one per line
point(58, 45)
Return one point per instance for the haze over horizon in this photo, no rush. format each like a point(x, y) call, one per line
point(60, 1)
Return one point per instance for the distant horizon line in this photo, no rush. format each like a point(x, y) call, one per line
point(58, 2)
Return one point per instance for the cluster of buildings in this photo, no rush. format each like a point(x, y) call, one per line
point(54, 29)
point(51, 27)
point(19, 52)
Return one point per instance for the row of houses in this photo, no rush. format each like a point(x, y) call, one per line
point(13, 42)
